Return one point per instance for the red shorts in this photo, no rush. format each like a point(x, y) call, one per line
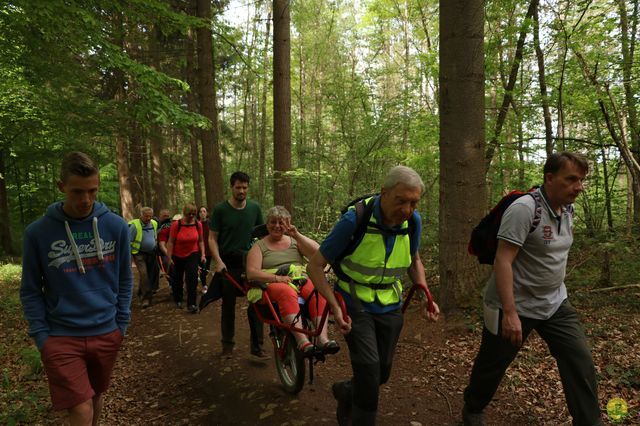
point(78, 368)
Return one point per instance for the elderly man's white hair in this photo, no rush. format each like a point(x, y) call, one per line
point(403, 174)
point(144, 210)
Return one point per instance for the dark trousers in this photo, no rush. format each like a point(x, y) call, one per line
point(567, 343)
point(372, 343)
point(228, 320)
point(149, 273)
point(187, 267)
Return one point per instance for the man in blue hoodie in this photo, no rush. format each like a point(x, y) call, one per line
point(76, 290)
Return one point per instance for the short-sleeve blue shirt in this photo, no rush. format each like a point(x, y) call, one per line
point(338, 240)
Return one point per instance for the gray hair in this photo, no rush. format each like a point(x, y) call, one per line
point(403, 174)
point(278, 212)
point(144, 210)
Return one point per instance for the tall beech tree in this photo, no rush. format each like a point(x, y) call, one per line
point(213, 182)
point(462, 145)
point(282, 191)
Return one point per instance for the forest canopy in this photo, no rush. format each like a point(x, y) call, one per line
point(173, 96)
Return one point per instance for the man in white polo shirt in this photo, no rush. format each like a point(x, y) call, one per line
point(526, 292)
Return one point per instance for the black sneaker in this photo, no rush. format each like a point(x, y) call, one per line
point(342, 393)
point(472, 419)
point(193, 309)
point(178, 305)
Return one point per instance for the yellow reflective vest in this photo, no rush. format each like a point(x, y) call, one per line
point(135, 244)
point(371, 274)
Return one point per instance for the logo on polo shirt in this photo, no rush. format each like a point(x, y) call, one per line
point(547, 234)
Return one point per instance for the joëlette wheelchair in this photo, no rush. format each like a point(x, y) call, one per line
point(290, 361)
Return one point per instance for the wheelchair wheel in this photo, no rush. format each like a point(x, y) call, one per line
point(289, 362)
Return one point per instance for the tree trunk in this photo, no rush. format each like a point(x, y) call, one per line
point(192, 105)
point(628, 47)
point(282, 192)
point(206, 80)
point(6, 243)
point(136, 170)
point(122, 151)
point(548, 132)
point(607, 190)
point(122, 162)
point(158, 191)
point(263, 127)
point(462, 146)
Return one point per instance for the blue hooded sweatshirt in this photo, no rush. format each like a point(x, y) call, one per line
point(71, 284)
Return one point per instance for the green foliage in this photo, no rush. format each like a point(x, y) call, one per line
point(364, 80)
point(23, 390)
point(31, 358)
point(606, 260)
point(10, 273)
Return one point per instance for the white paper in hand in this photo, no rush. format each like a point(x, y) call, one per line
point(491, 319)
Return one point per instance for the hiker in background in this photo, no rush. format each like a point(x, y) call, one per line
point(164, 217)
point(526, 292)
point(142, 233)
point(76, 291)
point(232, 222)
point(185, 249)
point(369, 281)
point(163, 238)
point(203, 218)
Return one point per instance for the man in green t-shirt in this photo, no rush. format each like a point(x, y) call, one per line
point(231, 224)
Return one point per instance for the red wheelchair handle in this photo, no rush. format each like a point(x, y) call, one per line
point(427, 293)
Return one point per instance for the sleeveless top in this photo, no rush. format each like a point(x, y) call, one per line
point(273, 259)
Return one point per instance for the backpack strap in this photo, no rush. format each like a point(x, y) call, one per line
point(537, 212)
point(364, 210)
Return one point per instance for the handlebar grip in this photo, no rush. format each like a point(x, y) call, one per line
point(430, 306)
point(343, 306)
point(427, 293)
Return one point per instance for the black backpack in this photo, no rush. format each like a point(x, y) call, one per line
point(364, 210)
point(484, 242)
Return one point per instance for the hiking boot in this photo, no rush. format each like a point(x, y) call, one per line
point(193, 309)
point(342, 393)
point(227, 351)
point(178, 305)
point(260, 355)
point(471, 419)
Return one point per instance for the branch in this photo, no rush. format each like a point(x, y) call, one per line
point(617, 287)
point(508, 95)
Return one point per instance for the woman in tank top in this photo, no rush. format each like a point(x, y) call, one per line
point(285, 245)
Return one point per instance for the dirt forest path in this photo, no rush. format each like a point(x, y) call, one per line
point(170, 372)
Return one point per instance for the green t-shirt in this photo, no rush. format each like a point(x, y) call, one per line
point(234, 226)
